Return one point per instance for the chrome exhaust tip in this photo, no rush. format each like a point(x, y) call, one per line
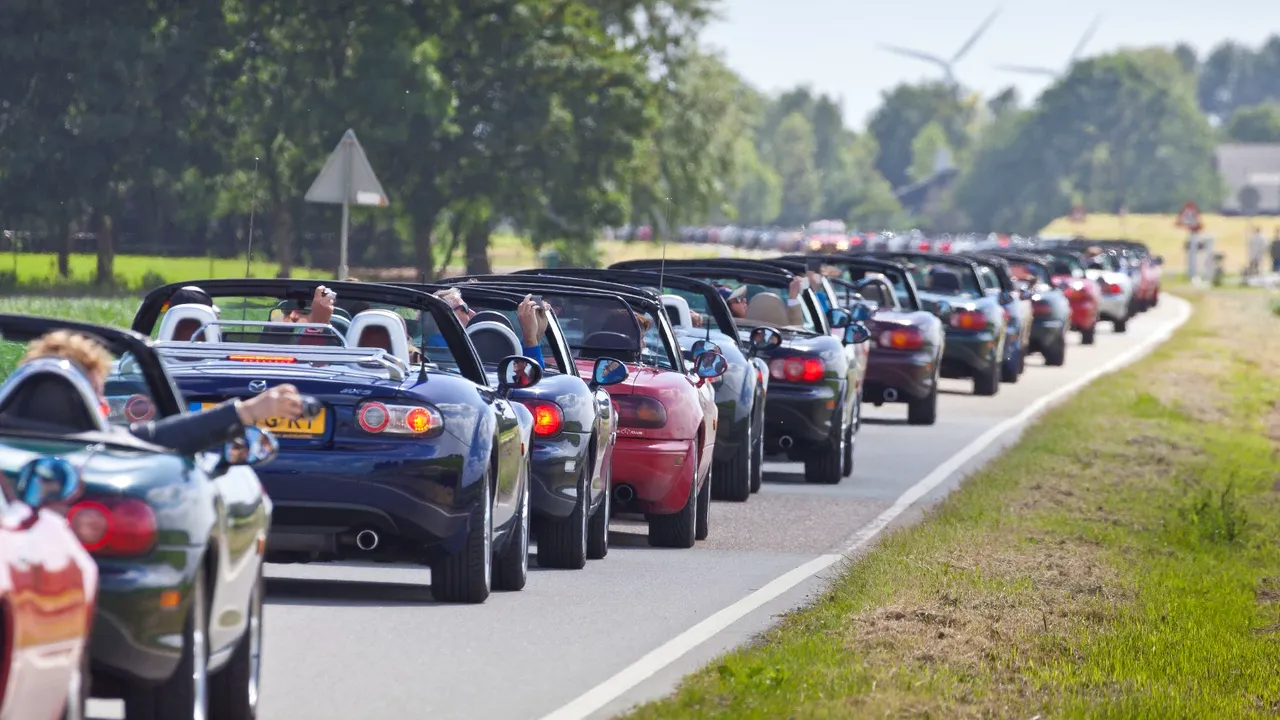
point(785, 442)
point(624, 494)
point(367, 540)
point(890, 395)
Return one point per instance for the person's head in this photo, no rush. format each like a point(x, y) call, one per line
point(736, 299)
point(453, 297)
point(84, 352)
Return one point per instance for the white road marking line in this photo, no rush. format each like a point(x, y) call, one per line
point(667, 653)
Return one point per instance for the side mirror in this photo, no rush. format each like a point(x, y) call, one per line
point(517, 372)
point(47, 481)
point(763, 338)
point(1005, 297)
point(856, 334)
point(943, 310)
point(608, 371)
point(710, 365)
point(861, 312)
point(256, 446)
point(839, 318)
point(702, 346)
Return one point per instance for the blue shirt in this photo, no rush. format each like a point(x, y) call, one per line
point(533, 353)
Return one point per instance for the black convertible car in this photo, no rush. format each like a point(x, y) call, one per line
point(418, 456)
point(178, 540)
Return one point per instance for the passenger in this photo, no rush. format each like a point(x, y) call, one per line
point(736, 299)
point(186, 434)
point(533, 322)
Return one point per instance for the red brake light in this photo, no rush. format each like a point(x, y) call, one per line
point(968, 320)
point(274, 359)
point(924, 246)
point(114, 527)
point(797, 369)
point(639, 411)
point(418, 420)
point(901, 339)
point(1041, 308)
point(1110, 288)
point(548, 419)
point(139, 409)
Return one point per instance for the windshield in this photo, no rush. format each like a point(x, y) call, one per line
point(698, 303)
point(1029, 272)
point(770, 306)
point(1066, 265)
point(600, 325)
point(897, 280)
point(943, 278)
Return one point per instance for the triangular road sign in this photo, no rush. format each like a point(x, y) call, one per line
point(1190, 216)
point(347, 176)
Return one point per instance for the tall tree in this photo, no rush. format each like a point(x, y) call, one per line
point(793, 150)
point(1256, 124)
point(905, 110)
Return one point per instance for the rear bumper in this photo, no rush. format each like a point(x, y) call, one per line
point(660, 472)
point(805, 414)
point(556, 464)
point(909, 375)
point(1084, 314)
point(970, 354)
point(1046, 332)
point(1114, 307)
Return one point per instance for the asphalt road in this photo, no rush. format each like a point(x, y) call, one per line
point(367, 641)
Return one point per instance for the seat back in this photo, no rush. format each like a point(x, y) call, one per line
point(382, 329)
point(677, 311)
point(492, 316)
point(768, 309)
point(945, 281)
point(493, 341)
point(51, 395)
point(181, 322)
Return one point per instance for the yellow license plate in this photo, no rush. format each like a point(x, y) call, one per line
point(281, 426)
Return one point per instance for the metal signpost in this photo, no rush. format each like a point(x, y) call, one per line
point(1189, 218)
point(347, 177)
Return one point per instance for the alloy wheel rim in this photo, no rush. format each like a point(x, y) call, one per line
point(524, 531)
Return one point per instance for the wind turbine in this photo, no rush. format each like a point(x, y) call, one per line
point(946, 65)
point(1075, 55)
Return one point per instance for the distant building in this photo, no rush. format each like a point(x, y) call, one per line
point(1251, 173)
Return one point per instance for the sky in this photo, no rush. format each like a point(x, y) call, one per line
point(833, 45)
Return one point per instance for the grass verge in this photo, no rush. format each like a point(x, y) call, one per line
point(1123, 560)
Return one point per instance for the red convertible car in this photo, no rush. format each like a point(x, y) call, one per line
point(667, 415)
point(48, 588)
point(1083, 292)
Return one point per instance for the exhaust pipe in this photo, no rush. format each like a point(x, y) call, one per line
point(624, 494)
point(890, 395)
point(785, 442)
point(366, 540)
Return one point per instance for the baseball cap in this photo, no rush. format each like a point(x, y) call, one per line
point(735, 294)
point(190, 295)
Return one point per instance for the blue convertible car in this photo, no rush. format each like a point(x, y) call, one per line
point(417, 454)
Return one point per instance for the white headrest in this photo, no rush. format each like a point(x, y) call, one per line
point(359, 334)
point(683, 317)
point(188, 318)
point(494, 341)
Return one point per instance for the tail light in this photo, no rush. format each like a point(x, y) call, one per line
point(901, 339)
point(129, 409)
point(759, 376)
point(1041, 308)
point(271, 359)
point(797, 369)
point(638, 411)
point(417, 420)
point(924, 246)
point(548, 418)
point(968, 320)
point(121, 527)
point(1110, 288)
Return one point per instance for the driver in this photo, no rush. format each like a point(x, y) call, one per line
point(736, 299)
point(186, 434)
point(532, 318)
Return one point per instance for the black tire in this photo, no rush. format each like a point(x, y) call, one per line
point(1009, 371)
point(677, 530)
point(757, 461)
point(562, 542)
point(1055, 355)
point(731, 479)
point(925, 410)
point(234, 688)
point(1087, 336)
point(988, 384)
point(850, 437)
point(703, 521)
point(825, 463)
point(78, 688)
point(1120, 325)
point(598, 525)
point(467, 575)
point(186, 693)
point(511, 568)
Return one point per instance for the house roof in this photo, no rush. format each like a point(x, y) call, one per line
point(1255, 165)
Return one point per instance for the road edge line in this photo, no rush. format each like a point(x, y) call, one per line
point(675, 648)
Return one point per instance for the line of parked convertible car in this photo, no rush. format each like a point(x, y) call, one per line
point(129, 571)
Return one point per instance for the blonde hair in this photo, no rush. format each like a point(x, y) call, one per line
point(87, 353)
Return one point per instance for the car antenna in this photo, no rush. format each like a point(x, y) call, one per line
point(248, 255)
point(422, 340)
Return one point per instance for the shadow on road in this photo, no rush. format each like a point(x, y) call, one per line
point(298, 591)
point(883, 421)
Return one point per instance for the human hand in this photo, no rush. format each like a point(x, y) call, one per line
point(531, 328)
point(280, 401)
point(322, 304)
point(794, 290)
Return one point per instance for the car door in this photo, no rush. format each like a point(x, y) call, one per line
point(509, 461)
point(241, 523)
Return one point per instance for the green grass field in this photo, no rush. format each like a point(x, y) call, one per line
point(1121, 561)
point(135, 271)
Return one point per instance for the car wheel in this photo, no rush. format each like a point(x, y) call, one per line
point(78, 688)
point(1009, 370)
point(703, 520)
point(757, 461)
point(677, 529)
point(1120, 325)
point(825, 463)
point(235, 687)
point(511, 568)
point(988, 383)
point(1055, 355)
point(1087, 336)
point(731, 479)
point(186, 693)
point(850, 437)
point(925, 410)
point(467, 575)
point(562, 542)
point(598, 526)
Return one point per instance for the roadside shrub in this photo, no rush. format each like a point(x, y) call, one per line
point(151, 280)
point(1215, 516)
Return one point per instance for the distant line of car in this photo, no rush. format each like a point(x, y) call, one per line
point(130, 571)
